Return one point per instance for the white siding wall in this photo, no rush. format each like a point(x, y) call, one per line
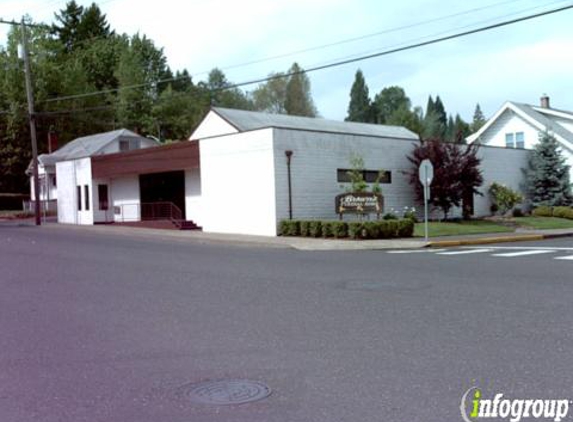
point(102, 216)
point(71, 174)
point(238, 184)
point(193, 195)
point(48, 191)
point(501, 165)
point(315, 160)
point(212, 125)
point(509, 122)
point(67, 209)
point(124, 193)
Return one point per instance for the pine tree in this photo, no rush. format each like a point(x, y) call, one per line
point(547, 175)
point(298, 99)
point(478, 120)
point(359, 106)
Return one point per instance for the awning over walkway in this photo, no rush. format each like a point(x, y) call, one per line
point(176, 156)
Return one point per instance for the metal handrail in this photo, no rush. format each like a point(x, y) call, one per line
point(161, 211)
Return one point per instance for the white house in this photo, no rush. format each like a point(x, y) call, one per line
point(87, 146)
point(518, 125)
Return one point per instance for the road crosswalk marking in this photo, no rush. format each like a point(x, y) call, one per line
point(522, 253)
point(495, 251)
point(465, 251)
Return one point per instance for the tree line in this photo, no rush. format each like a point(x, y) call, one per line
point(81, 55)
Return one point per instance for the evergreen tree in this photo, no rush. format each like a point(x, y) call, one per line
point(436, 120)
point(298, 99)
point(388, 101)
point(69, 23)
point(547, 175)
point(359, 109)
point(461, 130)
point(478, 120)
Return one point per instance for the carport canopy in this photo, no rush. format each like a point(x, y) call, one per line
point(164, 158)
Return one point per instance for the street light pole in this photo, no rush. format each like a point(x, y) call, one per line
point(32, 119)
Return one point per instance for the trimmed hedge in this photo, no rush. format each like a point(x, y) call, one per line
point(563, 212)
point(542, 211)
point(381, 229)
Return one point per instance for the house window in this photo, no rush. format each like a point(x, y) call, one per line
point(509, 140)
point(102, 196)
point(79, 195)
point(519, 140)
point(369, 176)
point(87, 197)
point(54, 181)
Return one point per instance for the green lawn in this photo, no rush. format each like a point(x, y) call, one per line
point(460, 228)
point(542, 223)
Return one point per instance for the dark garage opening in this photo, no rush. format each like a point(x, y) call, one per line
point(163, 187)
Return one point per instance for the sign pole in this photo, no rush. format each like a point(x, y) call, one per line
point(426, 188)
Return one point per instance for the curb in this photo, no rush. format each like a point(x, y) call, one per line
point(500, 239)
point(485, 240)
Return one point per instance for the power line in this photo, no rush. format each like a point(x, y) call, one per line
point(330, 65)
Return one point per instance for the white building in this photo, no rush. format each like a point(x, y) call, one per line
point(87, 146)
point(518, 125)
point(242, 172)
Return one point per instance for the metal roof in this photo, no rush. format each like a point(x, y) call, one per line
point(88, 146)
point(251, 120)
point(549, 124)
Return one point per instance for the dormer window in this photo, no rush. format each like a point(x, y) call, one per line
point(129, 144)
point(515, 140)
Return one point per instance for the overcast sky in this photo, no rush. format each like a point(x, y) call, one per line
point(519, 62)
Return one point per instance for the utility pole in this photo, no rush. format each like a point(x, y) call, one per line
point(32, 119)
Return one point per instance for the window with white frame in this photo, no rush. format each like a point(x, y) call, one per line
point(515, 140)
point(519, 140)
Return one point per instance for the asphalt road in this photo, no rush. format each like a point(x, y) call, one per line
point(99, 327)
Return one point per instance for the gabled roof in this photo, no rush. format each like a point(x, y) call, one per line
point(88, 146)
point(251, 120)
point(537, 117)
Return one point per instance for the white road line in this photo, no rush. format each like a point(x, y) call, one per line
point(522, 253)
point(464, 252)
point(570, 257)
point(417, 251)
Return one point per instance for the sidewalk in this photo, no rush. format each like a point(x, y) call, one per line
point(311, 244)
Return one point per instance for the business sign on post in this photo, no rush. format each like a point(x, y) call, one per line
point(359, 203)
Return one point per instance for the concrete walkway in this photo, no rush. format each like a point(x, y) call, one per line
point(311, 244)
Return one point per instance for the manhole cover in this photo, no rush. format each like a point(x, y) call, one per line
point(224, 392)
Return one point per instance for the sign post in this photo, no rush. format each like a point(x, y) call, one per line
point(426, 174)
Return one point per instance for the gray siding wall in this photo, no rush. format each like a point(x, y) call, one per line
point(501, 165)
point(317, 156)
point(315, 160)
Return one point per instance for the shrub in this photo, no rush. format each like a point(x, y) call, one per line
point(371, 229)
point(411, 215)
point(355, 230)
point(289, 228)
point(389, 216)
point(327, 229)
point(339, 229)
point(563, 212)
point(543, 211)
point(305, 228)
point(503, 197)
point(517, 212)
point(315, 229)
point(405, 228)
